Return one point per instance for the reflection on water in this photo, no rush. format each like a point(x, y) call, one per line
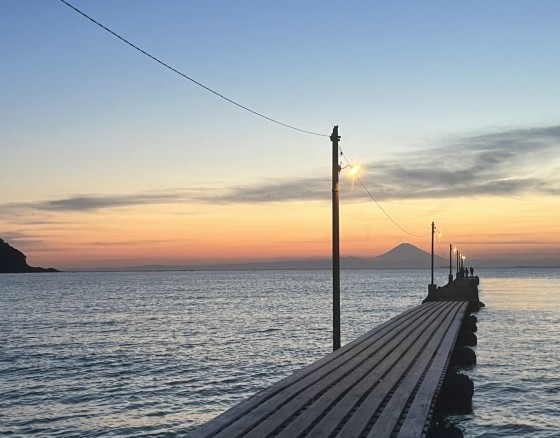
point(522, 293)
point(517, 378)
point(147, 354)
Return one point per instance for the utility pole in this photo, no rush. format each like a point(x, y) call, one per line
point(335, 239)
point(450, 263)
point(433, 231)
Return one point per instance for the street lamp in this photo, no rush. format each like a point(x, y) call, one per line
point(353, 172)
point(432, 286)
point(335, 239)
point(455, 251)
point(450, 263)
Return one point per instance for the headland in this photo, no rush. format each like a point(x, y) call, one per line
point(13, 260)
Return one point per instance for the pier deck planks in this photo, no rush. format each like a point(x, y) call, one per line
point(383, 384)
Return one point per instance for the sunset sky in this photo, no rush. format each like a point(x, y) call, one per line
point(110, 159)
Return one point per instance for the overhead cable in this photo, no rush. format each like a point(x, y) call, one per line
point(185, 76)
point(378, 204)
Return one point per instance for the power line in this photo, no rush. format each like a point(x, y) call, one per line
point(153, 58)
point(378, 204)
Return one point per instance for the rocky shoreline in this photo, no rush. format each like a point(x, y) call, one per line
point(13, 261)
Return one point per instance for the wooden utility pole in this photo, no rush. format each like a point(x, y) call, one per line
point(433, 231)
point(450, 263)
point(335, 239)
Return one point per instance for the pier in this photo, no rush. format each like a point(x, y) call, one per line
point(386, 383)
point(465, 288)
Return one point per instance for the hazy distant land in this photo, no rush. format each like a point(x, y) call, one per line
point(403, 256)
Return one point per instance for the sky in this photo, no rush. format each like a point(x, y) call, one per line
point(110, 159)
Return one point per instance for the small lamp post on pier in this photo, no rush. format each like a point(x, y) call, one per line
point(450, 263)
point(432, 286)
point(460, 265)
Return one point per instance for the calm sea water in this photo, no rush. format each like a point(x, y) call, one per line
point(156, 354)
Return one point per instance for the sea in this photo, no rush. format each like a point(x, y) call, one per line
point(156, 354)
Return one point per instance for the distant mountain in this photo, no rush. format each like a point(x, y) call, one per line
point(14, 261)
point(404, 255)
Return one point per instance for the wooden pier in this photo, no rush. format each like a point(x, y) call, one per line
point(383, 384)
point(464, 288)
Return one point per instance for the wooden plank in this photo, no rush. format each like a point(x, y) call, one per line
point(340, 393)
point(332, 415)
point(281, 408)
point(364, 414)
point(286, 398)
point(388, 419)
point(370, 365)
point(270, 399)
point(424, 398)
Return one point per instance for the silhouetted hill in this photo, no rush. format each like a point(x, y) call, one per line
point(406, 255)
point(14, 261)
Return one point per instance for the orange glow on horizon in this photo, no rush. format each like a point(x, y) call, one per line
point(208, 234)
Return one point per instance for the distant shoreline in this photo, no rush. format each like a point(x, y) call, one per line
point(132, 269)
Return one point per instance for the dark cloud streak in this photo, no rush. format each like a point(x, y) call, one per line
point(508, 163)
point(88, 203)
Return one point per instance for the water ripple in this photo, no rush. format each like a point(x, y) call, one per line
point(157, 354)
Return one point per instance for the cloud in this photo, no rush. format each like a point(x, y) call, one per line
point(275, 191)
point(93, 203)
point(272, 191)
point(137, 242)
point(507, 163)
point(503, 164)
point(88, 203)
point(21, 240)
point(506, 242)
